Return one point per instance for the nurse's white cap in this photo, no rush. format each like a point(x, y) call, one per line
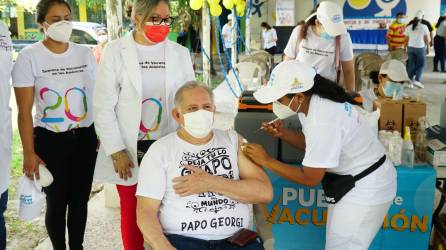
point(329, 14)
point(288, 77)
point(395, 70)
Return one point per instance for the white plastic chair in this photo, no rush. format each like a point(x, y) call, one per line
point(250, 75)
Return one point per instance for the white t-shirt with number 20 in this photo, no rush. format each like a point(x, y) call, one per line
point(207, 216)
point(63, 85)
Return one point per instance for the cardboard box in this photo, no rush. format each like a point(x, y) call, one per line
point(436, 153)
point(391, 118)
point(412, 111)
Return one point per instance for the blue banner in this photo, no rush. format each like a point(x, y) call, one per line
point(443, 7)
point(298, 214)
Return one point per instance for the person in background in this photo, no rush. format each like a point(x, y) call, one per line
point(417, 47)
point(5, 124)
point(226, 32)
point(269, 37)
point(338, 142)
point(324, 31)
point(56, 77)
point(395, 34)
point(177, 187)
point(103, 39)
point(137, 78)
point(439, 44)
point(420, 15)
point(388, 81)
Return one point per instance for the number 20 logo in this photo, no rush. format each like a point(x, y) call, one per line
point(68, 113)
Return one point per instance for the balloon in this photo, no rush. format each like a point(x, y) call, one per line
point(195, 4)
point(240, 9)
point(229, 4)
point(216, 10)
point(237, 2)
point(213, 2)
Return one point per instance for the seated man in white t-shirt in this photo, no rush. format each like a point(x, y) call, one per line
point(195, 184)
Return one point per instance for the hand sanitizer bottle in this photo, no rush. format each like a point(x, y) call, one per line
point(408, 155)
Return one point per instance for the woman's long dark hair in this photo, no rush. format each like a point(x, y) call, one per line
point(330, 90)
point(440, 20)
point(265, 25)
point(305, 25)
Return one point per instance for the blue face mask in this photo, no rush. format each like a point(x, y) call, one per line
point(392, 87)
point(326, 36)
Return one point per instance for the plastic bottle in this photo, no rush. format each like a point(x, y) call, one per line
point(443, 114)
point(395, 148)
point(408, 154)
point(420, 143)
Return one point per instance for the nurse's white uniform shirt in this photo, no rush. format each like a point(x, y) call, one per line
point(340, 139)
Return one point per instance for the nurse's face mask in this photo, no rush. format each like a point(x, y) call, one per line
point(283, 111)
point(390, 88)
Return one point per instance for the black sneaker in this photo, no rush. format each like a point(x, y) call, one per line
point(443, 71)
point(435, 70)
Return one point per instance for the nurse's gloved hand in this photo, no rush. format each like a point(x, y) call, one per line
point(275, 128)
point(31, 164)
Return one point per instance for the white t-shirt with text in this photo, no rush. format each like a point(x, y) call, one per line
point(319, 52)
point(63, 85)
point(152, 63)
point(340, 139)
point(207, 216)
point(416, 37)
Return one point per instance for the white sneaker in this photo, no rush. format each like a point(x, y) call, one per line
point(410, 85)
point(418, 84)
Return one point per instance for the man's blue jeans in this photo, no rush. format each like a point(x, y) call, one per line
point(416, 61)
point(3, 204)
point(187, 243)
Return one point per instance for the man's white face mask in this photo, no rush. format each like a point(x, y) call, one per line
point(199, 123)
point(282, 111)
point(60, 31)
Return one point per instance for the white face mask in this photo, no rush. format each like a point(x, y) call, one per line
point(283, 112)
point(60, 31)
point(199, 123)
point(102, 38)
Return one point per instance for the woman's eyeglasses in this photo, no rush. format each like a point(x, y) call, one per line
point(158, 20)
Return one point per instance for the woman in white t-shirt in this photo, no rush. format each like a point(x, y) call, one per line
point(56, 78)
point(323, 42)
point(417, 47)
point(137, 79)
point(337, 140)
point(5, 124)
point(269, 37)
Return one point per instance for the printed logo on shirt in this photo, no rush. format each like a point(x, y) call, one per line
point(215, 161)
point(155, 109)
point(152, 65)
point(5, 43)
point(65, 71)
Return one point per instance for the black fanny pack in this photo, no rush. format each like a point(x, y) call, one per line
point(336, 186)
